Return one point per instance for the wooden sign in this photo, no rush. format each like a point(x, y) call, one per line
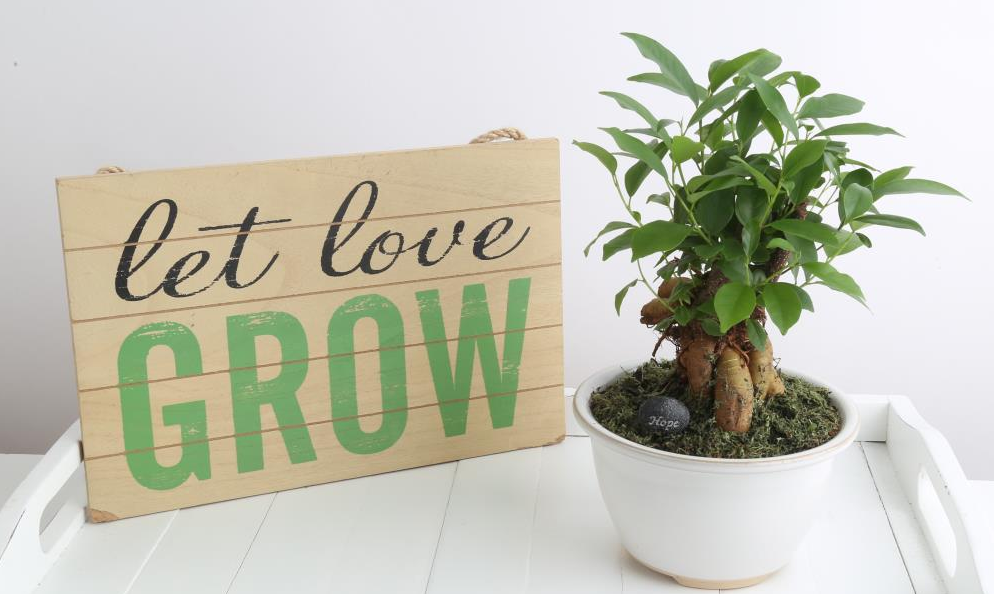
point(250, 328)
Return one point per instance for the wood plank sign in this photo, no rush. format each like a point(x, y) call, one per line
point(250, 328)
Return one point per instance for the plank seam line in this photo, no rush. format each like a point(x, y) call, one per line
point(317, 358)
point(312, 293)
point(307, 226)
point(248, 549)
point(151, 551)
point(321, 422)
point(441, 528)
point(890, 524)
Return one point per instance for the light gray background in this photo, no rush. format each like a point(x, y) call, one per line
point(193, 83)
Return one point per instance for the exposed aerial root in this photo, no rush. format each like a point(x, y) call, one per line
point(733, 392)
point(765, 378)
point(696, 360)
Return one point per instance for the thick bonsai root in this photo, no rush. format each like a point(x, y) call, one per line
point(696, 362)
point(728, 368)
point(765, 378)
point(733, 391)
point(657, 310)
point(654, 312)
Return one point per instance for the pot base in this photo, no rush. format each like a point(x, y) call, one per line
point(719, 584)
point(702, 584)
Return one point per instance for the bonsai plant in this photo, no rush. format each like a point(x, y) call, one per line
point(732, 214)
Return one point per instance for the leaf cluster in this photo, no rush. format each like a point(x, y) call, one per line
point(757, 183)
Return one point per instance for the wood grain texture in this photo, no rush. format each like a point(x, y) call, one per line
point(298, 265)
point(460, 246)
point(539, 421)
point(97, 343)
point(102, 408)
point(417, 182)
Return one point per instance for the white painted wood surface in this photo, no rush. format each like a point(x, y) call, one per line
point(529, 521)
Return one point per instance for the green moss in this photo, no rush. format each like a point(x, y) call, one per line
point(799, 420)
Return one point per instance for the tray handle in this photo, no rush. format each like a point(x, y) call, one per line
point(942, 499)
point(28, 549)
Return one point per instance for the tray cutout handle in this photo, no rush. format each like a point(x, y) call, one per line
point(942, 499)
point(34, 529)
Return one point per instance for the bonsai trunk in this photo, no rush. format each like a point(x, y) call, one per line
point(728, 368)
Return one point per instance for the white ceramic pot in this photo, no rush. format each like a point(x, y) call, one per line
point(709, 522)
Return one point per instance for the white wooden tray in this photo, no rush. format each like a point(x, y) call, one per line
point(899, 517)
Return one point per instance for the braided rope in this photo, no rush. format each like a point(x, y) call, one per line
point(499, 134)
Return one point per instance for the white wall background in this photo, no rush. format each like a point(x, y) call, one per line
point(192, 83)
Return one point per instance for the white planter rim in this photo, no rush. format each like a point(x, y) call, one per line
point(845, 436)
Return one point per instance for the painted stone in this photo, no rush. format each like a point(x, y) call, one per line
point(664, 415)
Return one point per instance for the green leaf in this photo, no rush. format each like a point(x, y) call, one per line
point(735, 269)
point(750, 207)
point(750, 237)
point(658, 236)
point(628, 103)
point(711, 327)
point(805, 299)
point(684, 148)
point(781, 243)
point(722, 182)
point(806, 181)
point(612, 226)
point(751, 109)
point(804, 249)
point(663, 198)
point(618, 243)
point(805, 153)
point(806, 229)
point(642, 151)
point(683, 315)
point(834, 279)
point(775, 103)
point(892, 175)
point(714, 211)
point(915, 186)
point(719, 99)
point(859, 129)
point(658, 79)
point(757, 334)
point(772, 126)
point(856, 200)
point(669, 65)
point(707, 251)
point(733, 303)
point(845, 242)
point(761, 180)
point(619, 298)
point(830, 106)
point(722, 70)
point(607, 159)
point(886, 220)
point(857, 176)
point(783, 305)
point(714, 134)
point(637, 173)
point(761, 67)
point(658, 132)
point(805, 84)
